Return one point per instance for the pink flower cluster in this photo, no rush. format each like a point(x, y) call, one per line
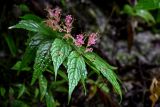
point(92, 39)
point(55, 14)
point(79, 40)
point(53, 21)
point(68, 23)
point(54, 17)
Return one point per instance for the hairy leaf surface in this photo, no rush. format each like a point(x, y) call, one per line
point(59, 51)
point(31, 49)
point(42, 60)
point(76, 69)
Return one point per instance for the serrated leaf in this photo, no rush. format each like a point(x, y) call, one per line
point(50, 100)
point(95, 59)
point(76, 69)
point(42, 86)
point(32, 17)
point(112, 78)
point(31, 49)
point(42, 60)
point(105, 69)
point(22, 89)
point(59, 51)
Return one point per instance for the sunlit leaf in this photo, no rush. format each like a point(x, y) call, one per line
point(42, 60)
point(34, 26)
point(76, 68)
point(28, 25)
point(59, 51)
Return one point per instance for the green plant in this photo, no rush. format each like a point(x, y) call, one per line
point(136, 12)
point(50, 42)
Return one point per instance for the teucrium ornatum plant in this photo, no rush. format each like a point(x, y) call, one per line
point(51, 42)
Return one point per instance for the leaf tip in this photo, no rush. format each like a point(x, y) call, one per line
point(11, 27)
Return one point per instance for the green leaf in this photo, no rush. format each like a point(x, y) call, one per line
point(22, 89)
point(24, 8)
point(128, 10)
point(43, 86)
point(112, 78)
point(10, 42)
point(147, 16)
point(18, 67)
point(42, 60)
point(148, 4)
point(18, 103)
point(31, 49)
point(103, 87)
point(36, 92)
point(34, 26)
point(50, 100)
point(2, 91)
point(32, 17)
point(11, 91)
point(59, 51)
point(28, 25)
point(105, 69)
point(97, 60)
point(76, 69)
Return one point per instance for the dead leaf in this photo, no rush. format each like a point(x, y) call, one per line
point(155, 91)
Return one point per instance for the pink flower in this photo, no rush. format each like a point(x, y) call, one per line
point(79, 40)
point(68, 23)
point(55, 13)
point(92, 39)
